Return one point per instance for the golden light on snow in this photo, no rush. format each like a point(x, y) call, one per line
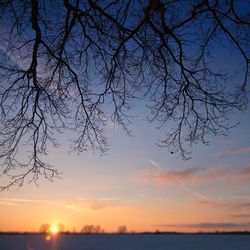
point(48, 237)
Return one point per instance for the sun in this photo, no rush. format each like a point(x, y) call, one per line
point(54, 230)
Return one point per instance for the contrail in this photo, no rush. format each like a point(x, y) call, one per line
point(194, 193)
point(154, 164)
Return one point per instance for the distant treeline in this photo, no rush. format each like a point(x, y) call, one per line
point(46, 228)
point(131, 233)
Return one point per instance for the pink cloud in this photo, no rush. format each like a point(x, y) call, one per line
point(97, 206)
point(210, 203)
point(210, 226)
point(162, 177)
point(6, 203)
point(233, 152)
point(245, 171)
point(193, 176)
point(72, 207)
point(222, 204)
point(166, 177)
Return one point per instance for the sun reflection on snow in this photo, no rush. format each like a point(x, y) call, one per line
point(48, 237)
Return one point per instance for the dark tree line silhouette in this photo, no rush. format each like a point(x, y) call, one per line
point(86, 229)
point(79, 64)
point(46, 228)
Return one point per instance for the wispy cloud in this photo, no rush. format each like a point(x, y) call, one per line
point(243, 216)
point(80, 199)
point(210, 203)
point(193, 175)
point(102, 198)
point(173, 176)
point(143, 196)
point(97, 203)
point(242, 206)
point(239, 206)
point(233, 152)
point(245, 171)
point(93, 205)
point(17, 200)
point(240, 197)
point(155, 164)
point(199, 195)
point(7, 203)
point(72, 207)
point(97, 206)
point(107, 198)
point(165, 177)
point(207, 225)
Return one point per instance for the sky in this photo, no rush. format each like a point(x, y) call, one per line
point(139, 184)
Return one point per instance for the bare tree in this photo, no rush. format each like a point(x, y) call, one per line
point(61, 228)
point(122, 229)
point(77, 64)
point(91, 229)
point(44, 228)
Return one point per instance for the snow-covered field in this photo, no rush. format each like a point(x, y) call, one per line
point(126, 242)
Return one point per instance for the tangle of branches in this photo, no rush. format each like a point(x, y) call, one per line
point(76, 64)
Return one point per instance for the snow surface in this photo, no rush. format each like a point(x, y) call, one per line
point(126, 242)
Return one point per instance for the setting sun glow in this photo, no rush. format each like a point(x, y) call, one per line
point(54, 230)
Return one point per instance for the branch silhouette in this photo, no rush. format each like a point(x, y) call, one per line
point(63, 62)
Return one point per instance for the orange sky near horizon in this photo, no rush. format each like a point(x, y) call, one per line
point(31, 215)
point(141, 186)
